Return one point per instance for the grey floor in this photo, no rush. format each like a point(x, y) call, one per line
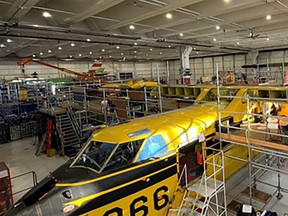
point(20, 158)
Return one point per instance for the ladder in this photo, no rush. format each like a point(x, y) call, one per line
point(207, 196)
point(69, 134)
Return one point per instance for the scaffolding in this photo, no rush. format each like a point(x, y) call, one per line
point(264, 141)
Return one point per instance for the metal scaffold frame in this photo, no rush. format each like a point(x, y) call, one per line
point(262, 156)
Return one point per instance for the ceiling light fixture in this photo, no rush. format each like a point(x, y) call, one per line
point(103, 50)
point(151, 49)
point(197, 52)
point(181, 34)
point(46, 14)
point(238, 43)
point(70, 56)
point(135, 51)
point(88, 40)
point(168, 16)
point(227, 1)
point(72, 44)
point(132, 27)
point(90, 53)
point(80, 54)
point(135, 44)
point(268, 17)
point(33, 55)
point(217, 27)
point(146, 54)
point(2, 45)
point(117, 47)
point(160, 53)
point(41, 53)
point(267, 38)
point(59, 48)
point(122, 53)
point(110, 56)
point(49, 51)
point(214, 39)
point(169, 46)
point(9, 40)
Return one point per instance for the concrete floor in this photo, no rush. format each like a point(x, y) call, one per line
point(20, 158)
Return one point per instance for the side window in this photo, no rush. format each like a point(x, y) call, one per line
point(154, 146)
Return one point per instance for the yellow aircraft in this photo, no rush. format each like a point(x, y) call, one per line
point(130, 169)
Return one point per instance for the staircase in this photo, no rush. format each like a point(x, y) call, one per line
point(207, 196)
point(69, 133)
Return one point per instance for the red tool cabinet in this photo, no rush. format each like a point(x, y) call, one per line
point(6, 198)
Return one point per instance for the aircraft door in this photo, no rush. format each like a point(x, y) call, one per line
point(191, 156)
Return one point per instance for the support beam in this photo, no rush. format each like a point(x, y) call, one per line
point(96, 8)
point(164, 9)
point(18, 48)
point(19, 9)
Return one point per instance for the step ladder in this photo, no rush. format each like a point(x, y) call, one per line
point(69, 135)
point(207, 196)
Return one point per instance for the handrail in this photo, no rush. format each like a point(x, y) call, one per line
point(34, 179)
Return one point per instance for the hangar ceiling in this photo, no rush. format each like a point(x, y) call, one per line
point(139, 29)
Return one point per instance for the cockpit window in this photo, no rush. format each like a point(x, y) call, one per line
point(101, 156)
point(154, 146)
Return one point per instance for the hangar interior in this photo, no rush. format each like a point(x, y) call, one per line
point(194, 87)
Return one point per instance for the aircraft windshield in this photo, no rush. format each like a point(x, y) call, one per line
point(101, 156)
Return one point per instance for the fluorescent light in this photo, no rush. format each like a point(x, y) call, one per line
point(181, 34)
point(103, 50)
point(2, 45)
point(214, 39)
point(132, 27)
point(90, 53)
point(72, 44)
point(80, 54)
point(217, 27)
point(59, 48)
point(168, 16)
point(267, 38)
point(49, 51)
point(9, 40)
point(88, 40)
point(268, 17)
point(46, 14)
point(35, 26)
point(117, 47)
